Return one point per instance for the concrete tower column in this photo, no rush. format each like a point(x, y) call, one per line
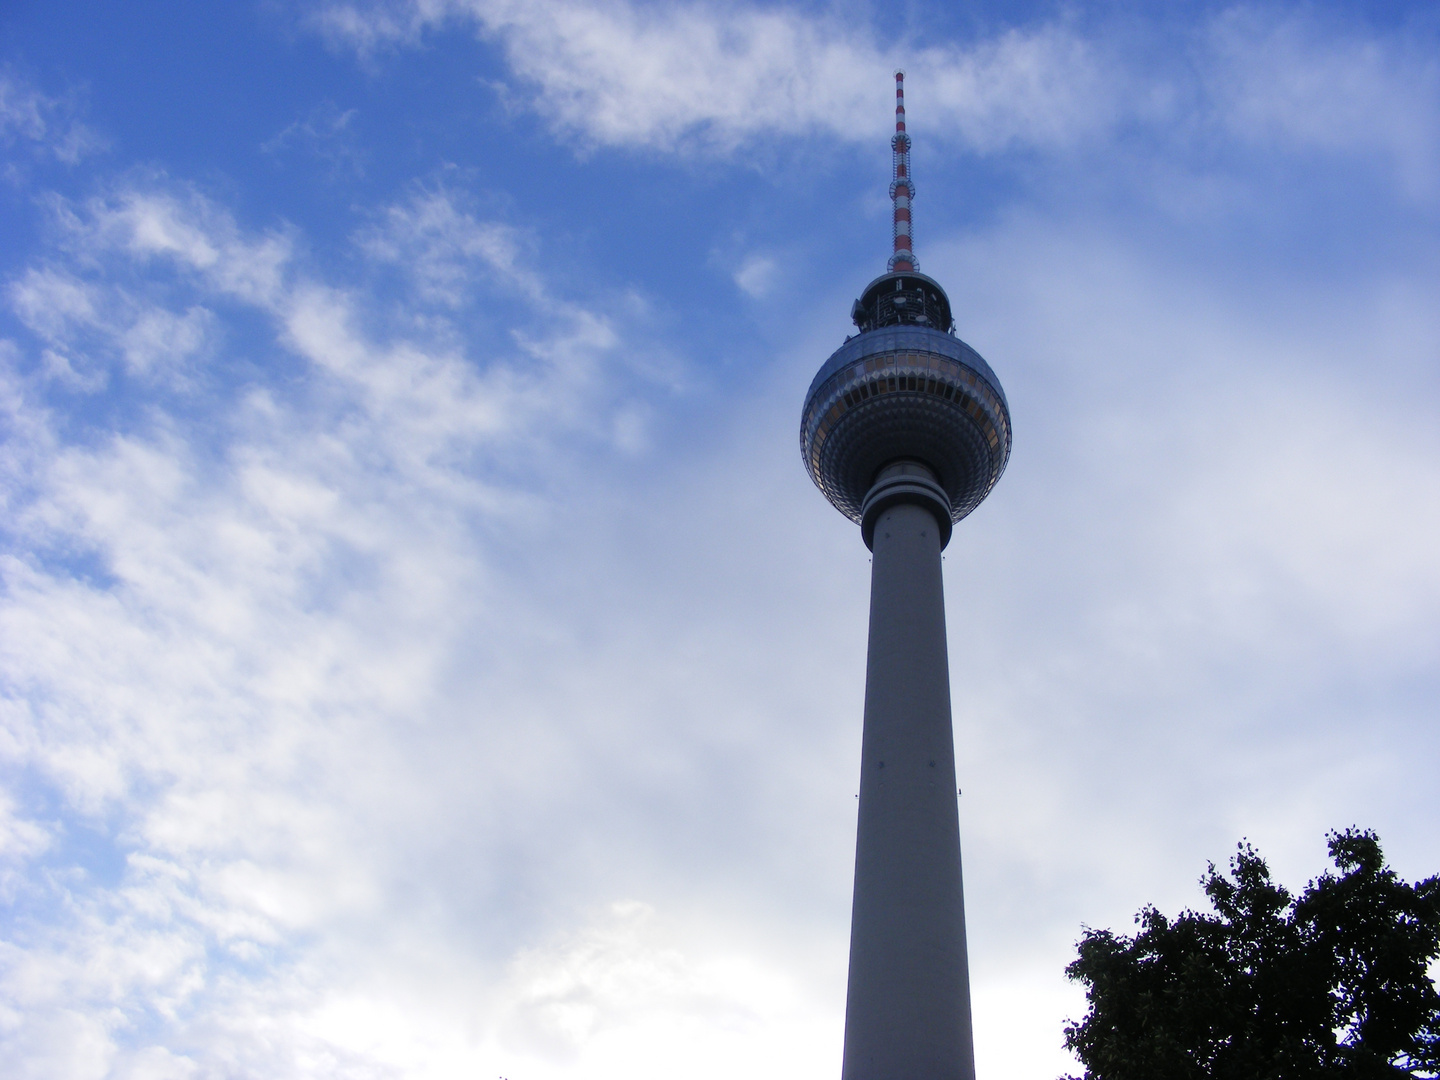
point(907, 1013)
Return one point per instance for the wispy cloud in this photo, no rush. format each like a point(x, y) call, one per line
point(1312, 84)
point(756, 275)
point(85, 325)
point(269, 590)
point(690, 77)
point(326, 134)
point(40, 125)
point(698, 76)
point(441, 247)
point(614, 995)
point(395, 681)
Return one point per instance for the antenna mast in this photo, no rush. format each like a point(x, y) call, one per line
point(902, 189)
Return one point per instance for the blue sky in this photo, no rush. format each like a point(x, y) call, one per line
point(421, 650)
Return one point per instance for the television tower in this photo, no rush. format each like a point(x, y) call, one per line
point(905, 430)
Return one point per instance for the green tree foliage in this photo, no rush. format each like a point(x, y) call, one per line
point(1333, 983)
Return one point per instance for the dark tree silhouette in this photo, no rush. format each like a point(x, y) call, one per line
point(1333, 983)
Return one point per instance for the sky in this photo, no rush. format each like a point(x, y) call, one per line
point(422, 653)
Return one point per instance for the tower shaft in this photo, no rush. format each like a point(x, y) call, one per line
point(907, 1013)
point(906, 429)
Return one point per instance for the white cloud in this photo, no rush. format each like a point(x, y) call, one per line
point(163, 337)
point(685, 76)
point(719, 77)
point(371, 719)
point(441, 246)
point(326, 134)
point(271, 606)
point(614, 997)
point(49, 301)
point(630, 431)
point(42, 124)
point(151, 220)
point(1304, 83)
point(756, 275)
point(86, 325)
point(344, 692)
point(21, 840)
point(1244, 504)
point(375, 723)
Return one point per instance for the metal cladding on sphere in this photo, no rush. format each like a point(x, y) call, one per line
point(905, 388)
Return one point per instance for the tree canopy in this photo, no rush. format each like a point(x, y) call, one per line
point(1332, 983)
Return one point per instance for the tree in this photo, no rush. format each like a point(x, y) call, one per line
point(1333, 983)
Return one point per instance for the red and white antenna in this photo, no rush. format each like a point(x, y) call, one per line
point(902, 189)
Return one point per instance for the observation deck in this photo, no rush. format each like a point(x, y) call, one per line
point(905, 389)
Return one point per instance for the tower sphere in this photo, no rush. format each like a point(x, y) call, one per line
point(905, 389)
